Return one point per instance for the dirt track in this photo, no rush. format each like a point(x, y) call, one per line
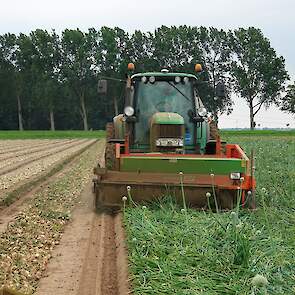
point(91, 257)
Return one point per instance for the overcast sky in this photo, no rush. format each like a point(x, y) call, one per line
point(275, 18)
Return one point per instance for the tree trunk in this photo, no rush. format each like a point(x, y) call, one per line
point(215, 117)
point(115, 106)
point(52, 123)
point(20, 117)
point(252, 123)
point(83, 111)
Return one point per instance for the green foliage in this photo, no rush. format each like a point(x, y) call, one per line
point(258, 72)
point(217, 57)
point(47, 88)
point(195, 252)
point(275, 133)
point(288, 102)
point(47, 80)
point(50, 134)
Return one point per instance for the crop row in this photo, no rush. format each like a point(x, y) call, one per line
point(16, 171)
point(174, 251)
point(26, 245)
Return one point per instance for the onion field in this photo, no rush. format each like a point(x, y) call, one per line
point(53, 241)
point(174, 251)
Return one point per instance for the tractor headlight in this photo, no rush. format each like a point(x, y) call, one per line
point(202, 112)
point(177, 79)
point(235, 175)
point(129, 111)
point(185, 80)
point(152, 79)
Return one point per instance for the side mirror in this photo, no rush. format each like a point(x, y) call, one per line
point(193, 117)
point(102, 86)
point(220, 90)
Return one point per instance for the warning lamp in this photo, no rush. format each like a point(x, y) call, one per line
point(198, 68)
point(131, 66)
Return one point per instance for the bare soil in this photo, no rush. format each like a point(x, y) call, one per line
point(18, 162)
point(7, 214)
point(16, 145)
point(26, 172)
point(33, 149)
point(91, 257)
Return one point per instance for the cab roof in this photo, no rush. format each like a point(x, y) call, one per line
point(161, 74)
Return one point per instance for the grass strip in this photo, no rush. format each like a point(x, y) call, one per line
point(289, 132)
point(45, 134)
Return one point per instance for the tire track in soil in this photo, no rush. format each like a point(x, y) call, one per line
point(99, 272)
point(9, 213)
point(91, 258)
point(30, 160)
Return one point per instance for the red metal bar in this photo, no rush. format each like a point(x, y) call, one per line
point(235, 151)
point(218, 146)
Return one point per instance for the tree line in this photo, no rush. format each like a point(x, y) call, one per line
point(49, 81)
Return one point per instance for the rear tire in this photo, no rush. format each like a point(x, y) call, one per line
point(110, 153)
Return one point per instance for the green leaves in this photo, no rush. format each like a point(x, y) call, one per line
point(209, 253)
point(259, 74)
point(52, 73)
point(288, 101)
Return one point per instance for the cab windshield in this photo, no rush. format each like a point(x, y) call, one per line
point(162, 96)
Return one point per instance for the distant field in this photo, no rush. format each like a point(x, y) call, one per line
point(290, 132)
point(40, 134)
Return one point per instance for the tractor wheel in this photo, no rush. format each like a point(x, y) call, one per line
point(213, 130)
point(110, 155)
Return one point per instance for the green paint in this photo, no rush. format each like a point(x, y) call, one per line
point(202, 136)
point(221, 166)
point(167, 118)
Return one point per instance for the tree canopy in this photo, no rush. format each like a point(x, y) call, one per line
point(288, 101)
point(259, 74)
point(49, 81)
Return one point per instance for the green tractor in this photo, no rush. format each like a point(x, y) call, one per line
point(166, 144)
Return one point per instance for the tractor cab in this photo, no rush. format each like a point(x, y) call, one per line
point(160, 145)
point(165, 114)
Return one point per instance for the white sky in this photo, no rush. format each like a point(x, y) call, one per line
point(275, 18)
